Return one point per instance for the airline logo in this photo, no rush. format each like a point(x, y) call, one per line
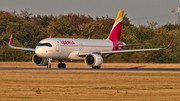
point(116, 29)
point(67, 42)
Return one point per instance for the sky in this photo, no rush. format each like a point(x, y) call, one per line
point(138, 11)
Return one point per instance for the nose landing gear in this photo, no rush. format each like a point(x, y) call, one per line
point(49, 63)
point(61, 65)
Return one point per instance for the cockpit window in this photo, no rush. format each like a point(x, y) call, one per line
point(44, 44)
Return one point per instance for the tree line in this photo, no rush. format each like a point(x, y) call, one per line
point(28, 29)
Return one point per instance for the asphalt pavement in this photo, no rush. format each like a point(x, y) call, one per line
point(90, 69)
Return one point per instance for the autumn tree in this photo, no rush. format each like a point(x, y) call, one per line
point(62, 28)
point(25, 14)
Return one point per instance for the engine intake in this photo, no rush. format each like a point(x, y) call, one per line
point(93, 60)
point(39, 61)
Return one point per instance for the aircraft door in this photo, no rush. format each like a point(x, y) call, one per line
point(58, 52)
point(57, 46)
point(80, 46)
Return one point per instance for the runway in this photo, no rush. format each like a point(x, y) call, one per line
point(102, 69)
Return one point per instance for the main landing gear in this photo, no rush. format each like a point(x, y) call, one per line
point(61, 65)
point(96, 67)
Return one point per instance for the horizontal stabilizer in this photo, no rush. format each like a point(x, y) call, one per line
point(135, 44)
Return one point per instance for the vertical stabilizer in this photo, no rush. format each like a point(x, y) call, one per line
point(115, 33)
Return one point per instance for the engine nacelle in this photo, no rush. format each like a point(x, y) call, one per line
point(39, 61)
point(93, 60)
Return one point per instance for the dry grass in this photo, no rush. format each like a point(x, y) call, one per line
point(89, 85)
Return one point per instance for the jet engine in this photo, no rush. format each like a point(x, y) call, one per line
point(93, 60)
point(39, 61)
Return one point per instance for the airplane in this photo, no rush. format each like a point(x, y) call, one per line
point(92, 51)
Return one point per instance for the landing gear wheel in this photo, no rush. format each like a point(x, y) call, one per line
point(49, 66)
point(63, 65)
point(96, 67)
point(93, 67)
point(59, 66)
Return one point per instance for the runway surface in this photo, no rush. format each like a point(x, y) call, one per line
point(102, 69)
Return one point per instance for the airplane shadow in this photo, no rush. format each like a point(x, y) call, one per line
point(138, 67)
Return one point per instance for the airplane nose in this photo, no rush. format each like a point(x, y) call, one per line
point(38, 51)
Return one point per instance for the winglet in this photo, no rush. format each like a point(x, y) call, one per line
point(10, 41)
point(171, 42)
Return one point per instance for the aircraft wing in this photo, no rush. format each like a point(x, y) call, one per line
point(136, 50)
point(126, 51)
point(28, 49)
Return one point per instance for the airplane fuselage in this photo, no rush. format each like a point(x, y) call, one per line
point(66, 48)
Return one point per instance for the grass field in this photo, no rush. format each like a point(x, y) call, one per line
point(37, 85)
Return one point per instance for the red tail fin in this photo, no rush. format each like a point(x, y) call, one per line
point(115, 33)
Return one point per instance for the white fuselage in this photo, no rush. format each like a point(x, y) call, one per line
point(66, 48)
